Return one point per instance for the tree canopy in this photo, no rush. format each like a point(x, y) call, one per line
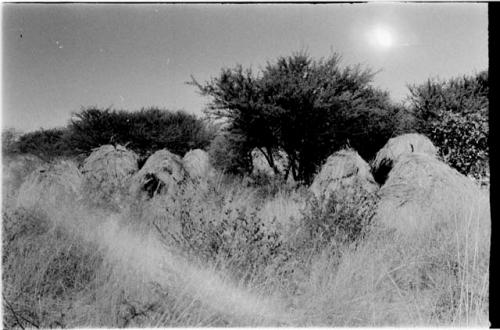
point(143, 131)
point(307, 108)
point(453, 113)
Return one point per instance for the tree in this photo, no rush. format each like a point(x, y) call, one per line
point(143, 131)
point(454, 114)
point(47, 144)
point(304, 107)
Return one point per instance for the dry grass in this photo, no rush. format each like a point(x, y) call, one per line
point(283, 212)
point(50, 185)
point(15, 169)
point(388, 156)
point(443, 221)
point(238, 258)
point(106, 174)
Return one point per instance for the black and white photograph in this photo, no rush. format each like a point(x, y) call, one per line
point(258, 164)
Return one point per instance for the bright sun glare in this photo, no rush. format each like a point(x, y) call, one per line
point(381, 37)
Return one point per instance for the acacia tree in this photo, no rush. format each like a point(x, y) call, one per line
point(304, 107)
point(143, 131)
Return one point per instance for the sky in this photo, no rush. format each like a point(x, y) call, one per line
point(60, 58)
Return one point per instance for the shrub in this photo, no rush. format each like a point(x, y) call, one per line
point(9, 141)
point(342, 216)
point(144, 131)
point(454, 115)
point(229, 154)
point(46, 144)
point(241, 239)
point(463, 141)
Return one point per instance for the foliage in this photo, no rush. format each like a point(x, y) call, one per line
point(9, 139)
point(307, 108)
point(343, 217)
point(229, 154)
point(454, 115)
point(144, 131)
point(238, 238)
point(46, 144)
point(463, 141)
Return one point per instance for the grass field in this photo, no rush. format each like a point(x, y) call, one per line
point(236, 254)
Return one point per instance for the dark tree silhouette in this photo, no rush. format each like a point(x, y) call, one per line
point(304, 107)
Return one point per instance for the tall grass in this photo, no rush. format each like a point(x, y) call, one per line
point(239, 255)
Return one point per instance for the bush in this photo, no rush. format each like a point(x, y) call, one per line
point(228, 154)
point(46, 144)
point(144, 131)
point(463, 141)
point(343, 217)
point(9, 141)
point(454, 115)
point(242, 239)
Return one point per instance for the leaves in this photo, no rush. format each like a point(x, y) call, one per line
point(454, 114)
point(304, 107)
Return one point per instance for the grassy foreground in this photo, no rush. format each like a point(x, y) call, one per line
point(236, 254)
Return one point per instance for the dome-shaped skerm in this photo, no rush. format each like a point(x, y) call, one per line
point(344, 170)
point(107, 172)
point(388, 156)
point(163, 173)
point(422, 193)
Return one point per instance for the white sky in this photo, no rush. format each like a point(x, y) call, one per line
point(133, 56)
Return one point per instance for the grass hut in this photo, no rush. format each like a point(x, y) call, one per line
point(106, 173)
point(388, 156)
point(50, 185)
point(343, 171)
point(197, 164)
point(423, 193)
point(163, 173)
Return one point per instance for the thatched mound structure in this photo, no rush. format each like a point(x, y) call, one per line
point(197, 164)
point(344, 171)
point(423, 193)
point(107, 171)
point(163, 173)
point(50, 185)
point(388, 156)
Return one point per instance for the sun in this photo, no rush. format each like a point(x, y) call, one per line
point(381, 37)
